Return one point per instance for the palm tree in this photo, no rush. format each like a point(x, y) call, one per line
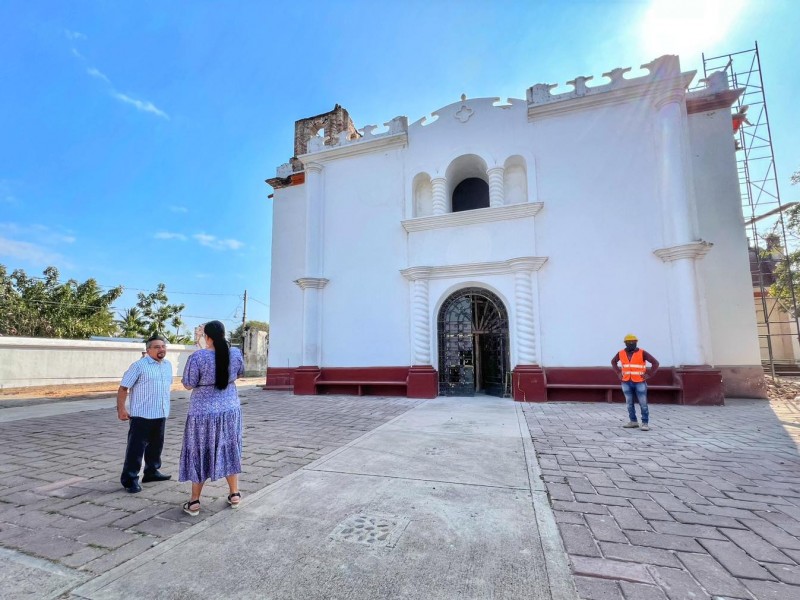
point(131, 324)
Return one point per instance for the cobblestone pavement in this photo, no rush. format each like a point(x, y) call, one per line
point(705, 505)
point(60, 496)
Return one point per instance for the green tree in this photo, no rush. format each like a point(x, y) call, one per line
point(158, 315)
point(787, 268)
point(132, 324)
point(46, 307)
point(236, 334)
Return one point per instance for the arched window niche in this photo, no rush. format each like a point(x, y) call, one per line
point(467, 183)
point(515, 180)
point(423, 195)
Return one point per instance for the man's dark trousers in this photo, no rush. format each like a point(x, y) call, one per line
point(145, 439)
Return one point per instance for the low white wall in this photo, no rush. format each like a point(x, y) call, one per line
point(26, 362)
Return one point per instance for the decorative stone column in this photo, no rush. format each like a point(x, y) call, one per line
point(439, 193)
point(312, 284)
point(700, 384)
point(421, 334)
point(527, 379)
point(423, 380)
point(314, 207)
point(496, 186)
point(678, 214)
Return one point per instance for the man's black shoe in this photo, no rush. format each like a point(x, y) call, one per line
point(133, 488)
point(157, 476)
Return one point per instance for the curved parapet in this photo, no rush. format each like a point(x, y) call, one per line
point(466, 111)
point(663, 75)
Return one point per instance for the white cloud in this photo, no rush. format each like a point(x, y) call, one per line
point(97, 73)
point(687, 27)
point(76, 54)
point(74, 35)
point(25, 251)
point(217, 244)
point(168, 235)
point(42, 233)
point(6, 195)
point(179, 209)
point(142, 105)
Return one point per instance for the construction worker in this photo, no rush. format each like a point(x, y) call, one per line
point(629, 365)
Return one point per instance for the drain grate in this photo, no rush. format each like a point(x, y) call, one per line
point(372, 530)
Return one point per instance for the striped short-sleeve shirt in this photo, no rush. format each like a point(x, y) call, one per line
point(148, 382)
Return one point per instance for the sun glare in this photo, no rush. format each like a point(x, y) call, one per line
point(688, 27)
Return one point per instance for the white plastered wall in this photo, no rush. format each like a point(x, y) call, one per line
point(288, 260)
point(724, 272)
point(597, 174)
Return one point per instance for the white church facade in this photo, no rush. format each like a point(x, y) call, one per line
point(507, 247)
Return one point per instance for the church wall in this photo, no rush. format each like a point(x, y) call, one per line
point(597, 173)
point(365, 305)
point(603, 174)
point(724, 272)
point(288, 259)
point(480, 242)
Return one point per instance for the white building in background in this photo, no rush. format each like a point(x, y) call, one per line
point(507, 247)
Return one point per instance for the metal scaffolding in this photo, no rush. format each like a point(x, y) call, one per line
point(761, 206)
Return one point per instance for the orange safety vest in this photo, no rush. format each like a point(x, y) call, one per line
point(633, 369)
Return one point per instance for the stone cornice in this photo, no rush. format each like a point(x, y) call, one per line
point(664, 78)
point(619, 95)
point(361, 146)
point(703, 102)
point(692, 250)
point(311, 282)
point(524, 263)
point(470, 217)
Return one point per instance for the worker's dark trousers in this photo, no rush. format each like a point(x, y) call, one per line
point(145, 439)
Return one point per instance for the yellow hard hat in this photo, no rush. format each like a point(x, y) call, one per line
point(631, 338)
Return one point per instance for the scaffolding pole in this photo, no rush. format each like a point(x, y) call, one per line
point(759, 187)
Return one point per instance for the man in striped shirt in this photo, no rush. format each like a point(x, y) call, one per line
point(149, 380)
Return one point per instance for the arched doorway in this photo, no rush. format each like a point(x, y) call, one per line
point(473, 344)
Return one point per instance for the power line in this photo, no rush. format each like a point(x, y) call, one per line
point(257, 300)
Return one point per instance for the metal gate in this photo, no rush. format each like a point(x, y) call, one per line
point(473, 344)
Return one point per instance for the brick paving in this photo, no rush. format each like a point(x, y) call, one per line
point(60, 496)
point(705, 505)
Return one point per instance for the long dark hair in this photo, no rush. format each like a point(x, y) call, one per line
point(222, 356)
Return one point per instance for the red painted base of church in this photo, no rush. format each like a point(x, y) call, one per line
point(696, 385)
point(528, 384)
point(305, 379)
point(701, 385)
point(423, 382)
point(280, 379)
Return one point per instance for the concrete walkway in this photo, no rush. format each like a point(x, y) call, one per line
point(349, 497)
point(444, 501)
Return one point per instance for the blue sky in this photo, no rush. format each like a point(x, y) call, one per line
point(135, 138)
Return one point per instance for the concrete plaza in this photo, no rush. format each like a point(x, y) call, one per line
point(374, 497)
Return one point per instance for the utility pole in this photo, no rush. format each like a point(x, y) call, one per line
point(244, 320)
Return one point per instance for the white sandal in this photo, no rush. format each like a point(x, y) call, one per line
point(187, 507)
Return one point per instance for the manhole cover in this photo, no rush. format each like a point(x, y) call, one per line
point(372, 530)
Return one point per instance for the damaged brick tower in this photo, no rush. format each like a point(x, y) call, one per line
point(331, 123)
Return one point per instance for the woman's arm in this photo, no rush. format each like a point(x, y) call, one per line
point(191, 374)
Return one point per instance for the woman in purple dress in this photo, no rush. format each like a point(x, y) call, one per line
point(212, 440)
